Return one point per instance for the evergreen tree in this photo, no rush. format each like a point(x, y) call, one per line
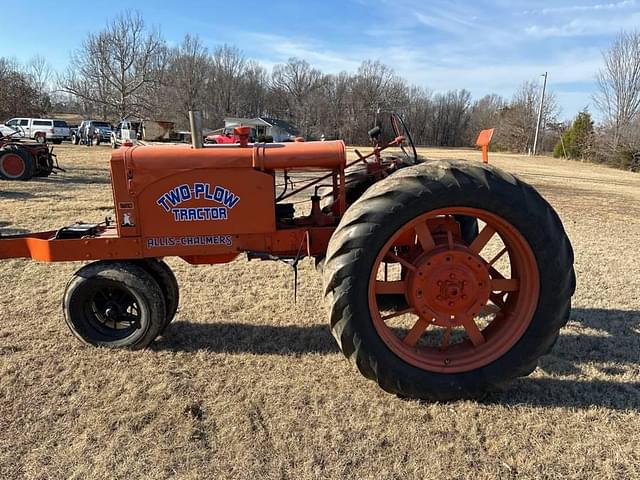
point(578, 139)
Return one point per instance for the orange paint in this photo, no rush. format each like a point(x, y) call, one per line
point(207, 205)
point(483, 141)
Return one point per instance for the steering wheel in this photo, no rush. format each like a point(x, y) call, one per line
point(407, 146)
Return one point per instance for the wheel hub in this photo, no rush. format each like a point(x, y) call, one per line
point(449, 285)
point(12, 165)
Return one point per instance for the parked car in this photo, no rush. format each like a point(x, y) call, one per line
point(40, 129)
point(131, 131)
point(226, 135)
point(100, 132)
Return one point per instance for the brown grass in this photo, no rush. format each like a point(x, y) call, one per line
point(247, 384)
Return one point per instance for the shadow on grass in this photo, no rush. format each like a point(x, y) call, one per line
point(619, 344)
point(9, 195)
point(10, 231)
point(74, 178)
point(559, 392)
point(617, 341)
point(247, 338)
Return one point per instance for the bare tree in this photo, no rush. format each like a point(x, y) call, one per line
point(119, 66)
point(17, 93)
point(187, 78)
point(40, 73)
point(518, 118)
point(296, 84)
point(618, 82)
point(228, 67)
point(253, 90)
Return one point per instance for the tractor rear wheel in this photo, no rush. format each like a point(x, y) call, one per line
point(114, 304)
point(168, 283)
point(356, 183)
point(16, 164)
point(478, 314)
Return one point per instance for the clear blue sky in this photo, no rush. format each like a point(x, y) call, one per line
point(486, 46)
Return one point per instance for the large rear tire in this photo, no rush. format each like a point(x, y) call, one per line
point(16, 164)
point(478, 315)
point(114, 304)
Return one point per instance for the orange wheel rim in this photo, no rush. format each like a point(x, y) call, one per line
point(467, 305)
point(12, 165)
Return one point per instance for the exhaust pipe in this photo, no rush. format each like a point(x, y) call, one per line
point(195, 122)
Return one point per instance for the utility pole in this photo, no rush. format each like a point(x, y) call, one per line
point(535, 140)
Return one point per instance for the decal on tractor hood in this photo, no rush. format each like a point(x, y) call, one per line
point(192, 241)
point(224, 199)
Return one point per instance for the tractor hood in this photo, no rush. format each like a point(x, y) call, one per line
point(156, 159)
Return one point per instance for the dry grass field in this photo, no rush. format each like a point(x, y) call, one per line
point(246, 384)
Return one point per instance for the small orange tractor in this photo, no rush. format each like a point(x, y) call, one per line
point(24, 159)
point(443, 279)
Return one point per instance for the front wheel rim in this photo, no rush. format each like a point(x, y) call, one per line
point(450, 288)
point(12, 165)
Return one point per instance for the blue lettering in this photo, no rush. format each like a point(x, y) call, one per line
point(173, 196)
point(207, 194)
point(162, 201)
point(218, 194)
point(230, 199)
point(185, 193)
point(199, 189)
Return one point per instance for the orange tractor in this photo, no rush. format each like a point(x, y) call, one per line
point(443, 279)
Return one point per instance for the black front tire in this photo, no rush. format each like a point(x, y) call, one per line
point(114, 304)
point(168, 283)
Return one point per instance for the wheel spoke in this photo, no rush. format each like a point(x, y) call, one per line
point(416, 331)
point(444, 343)
point(398, 313)
point(482, 239)
point(396, 286)
point(424, 236)
point(495, 273)
point(473, 331)
point(490, 310)
point(498, 256)
point(505, 285)
point(401, 261)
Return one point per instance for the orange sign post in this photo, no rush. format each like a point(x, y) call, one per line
point(483, 141)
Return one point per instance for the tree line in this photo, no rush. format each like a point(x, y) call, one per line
point(129, 69)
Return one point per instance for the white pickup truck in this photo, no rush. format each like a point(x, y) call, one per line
point(38, 128)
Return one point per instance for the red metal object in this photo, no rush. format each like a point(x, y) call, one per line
point(228, 136)
point(448, 285)
point(205, 205)
point(483, 141)
point(23, 159)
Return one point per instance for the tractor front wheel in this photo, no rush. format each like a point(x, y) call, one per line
point(478, 313)
point(114, 304)
point(16, 164)
point(168, 283)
